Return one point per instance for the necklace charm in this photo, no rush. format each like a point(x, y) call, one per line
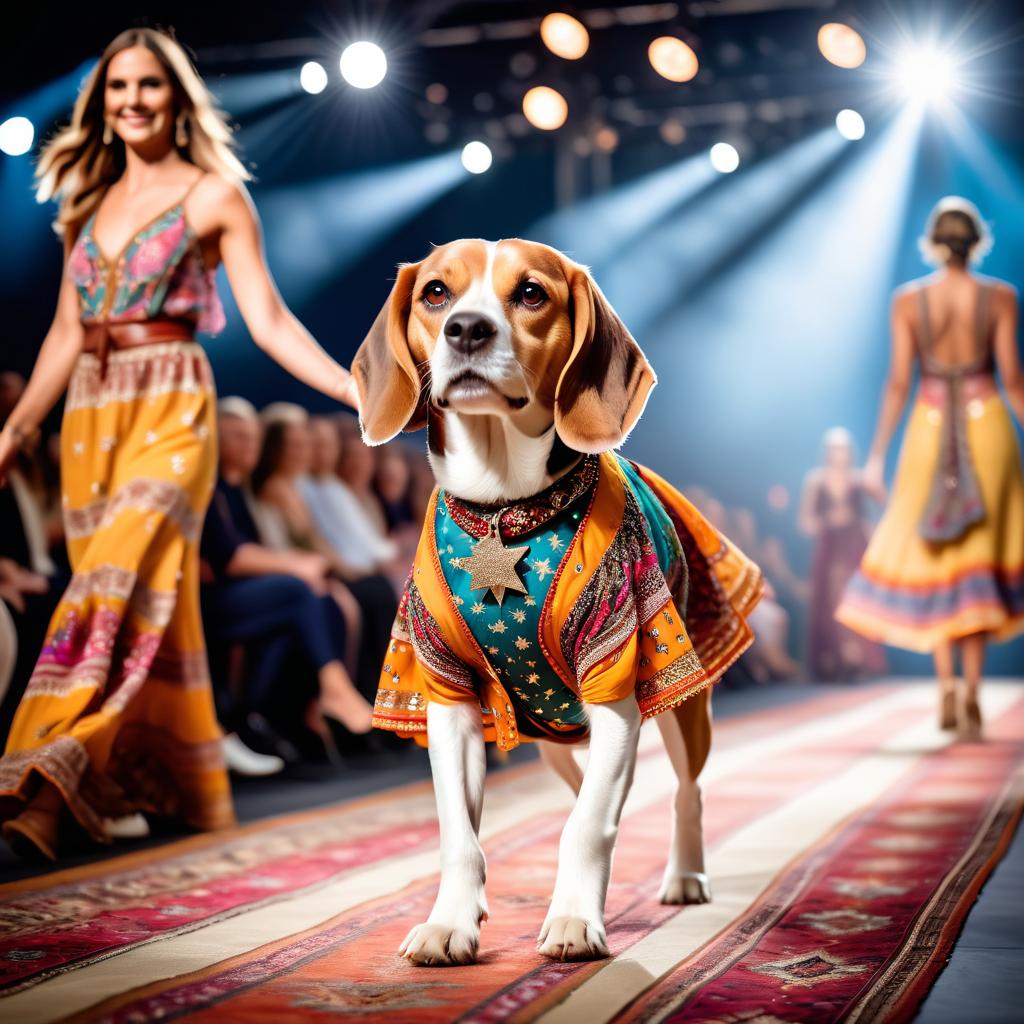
point(492, 566)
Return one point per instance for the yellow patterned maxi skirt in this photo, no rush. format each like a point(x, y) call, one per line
point(119, 713)
point(916, 594)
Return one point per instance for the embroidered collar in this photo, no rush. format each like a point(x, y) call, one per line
point(528, 514)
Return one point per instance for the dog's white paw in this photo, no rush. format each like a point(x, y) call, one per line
point(440, 945)
point(689, 887)
point(572, 938)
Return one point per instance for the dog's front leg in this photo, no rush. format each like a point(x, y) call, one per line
point(451, 934)
point(574, 926)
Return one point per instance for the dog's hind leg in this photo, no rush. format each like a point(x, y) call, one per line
point(686, 731)
point(451, 934)
point(559, 758)
point(574, 926)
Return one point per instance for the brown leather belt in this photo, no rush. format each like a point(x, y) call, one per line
point(101, 336)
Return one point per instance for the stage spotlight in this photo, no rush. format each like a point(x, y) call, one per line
point(313, 77)
point(850, 125)
point(545, 108)
point(16, 135)
point(724, 158)
point(564, 36)
point(606, 139)
point(841, 45)
point(672, 131)
point(476, 157)
point(926, 74)
point(673, 59)
point(363, 65)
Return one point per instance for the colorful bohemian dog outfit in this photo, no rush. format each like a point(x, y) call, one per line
point(627, 591)
point(947, 558)
point(119, 714)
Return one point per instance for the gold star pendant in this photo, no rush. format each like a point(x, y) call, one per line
point(492, 566)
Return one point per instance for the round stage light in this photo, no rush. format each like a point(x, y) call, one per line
point(672, 131)
point(850, 125)
point(606, 139)
point(724, 158)
point(313, 77)
point(925, 74)
point(476, 157)
point(16, 135)
point(673, 59)
point(564, 36)
point(545, 108)
point(363, 65)
point(841, 45)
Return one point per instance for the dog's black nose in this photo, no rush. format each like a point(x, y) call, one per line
point(467, 332)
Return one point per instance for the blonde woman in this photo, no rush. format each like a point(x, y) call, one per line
point(945, 567)
point(118, 716)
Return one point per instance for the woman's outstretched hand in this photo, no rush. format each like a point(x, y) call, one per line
point(873, 478)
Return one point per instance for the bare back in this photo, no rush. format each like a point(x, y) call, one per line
point(953, 321)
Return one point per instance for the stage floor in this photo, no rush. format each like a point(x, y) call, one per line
point(846, 837)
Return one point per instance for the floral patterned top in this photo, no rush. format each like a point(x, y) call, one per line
point(159, 273)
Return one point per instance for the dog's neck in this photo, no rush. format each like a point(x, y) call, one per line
point(491, 460)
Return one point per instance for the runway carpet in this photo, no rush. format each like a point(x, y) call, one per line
point(847, 838)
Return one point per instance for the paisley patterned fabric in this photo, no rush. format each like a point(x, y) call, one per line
point(160, 272)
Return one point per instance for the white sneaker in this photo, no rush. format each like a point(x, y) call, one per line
point(243, 761)
point(128, 826)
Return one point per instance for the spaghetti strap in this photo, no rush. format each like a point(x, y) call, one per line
point(190, 189)
point(981, 322)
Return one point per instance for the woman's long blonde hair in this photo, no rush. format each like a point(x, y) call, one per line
point(76, 167)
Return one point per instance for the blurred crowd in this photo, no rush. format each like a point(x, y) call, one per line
point(305, 550)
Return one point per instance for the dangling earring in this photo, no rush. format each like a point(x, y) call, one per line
point(181, 131)
point(108, 133)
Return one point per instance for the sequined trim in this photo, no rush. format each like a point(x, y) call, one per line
point(144, 372)
point(531, 513)
point(661, 689)
point(111, 582)
point(159, 496)
point(430, 645)
point(626, 589)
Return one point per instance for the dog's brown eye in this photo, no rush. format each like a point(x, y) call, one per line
point(531, 294)
point(435, 294)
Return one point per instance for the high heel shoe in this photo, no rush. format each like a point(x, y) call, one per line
point(947, 709)
point(32, 835)
point(970, 722)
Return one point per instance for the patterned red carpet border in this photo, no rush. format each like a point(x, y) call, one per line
point(59, 922)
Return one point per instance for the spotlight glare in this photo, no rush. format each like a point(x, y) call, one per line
point(925, 74)
point(850, 125)
point(313, 77)
point(476, 157)
point(545, 108)
point(841, 45)
point(564, 36)
point(16, 135)
point(673, 59)
point(724, 158)
point(363, 64)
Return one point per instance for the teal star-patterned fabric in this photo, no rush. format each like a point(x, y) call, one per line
point(508, 633)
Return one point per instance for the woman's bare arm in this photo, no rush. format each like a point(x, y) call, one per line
point(896, 390)
point(50, 375)
point(272, 325)
point(1007, 356)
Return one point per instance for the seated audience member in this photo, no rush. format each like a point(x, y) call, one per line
point(338, 515)
point(260, 594)
point(392, 485)
point(367, 598)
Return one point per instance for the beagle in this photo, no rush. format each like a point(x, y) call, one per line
point(560, 593)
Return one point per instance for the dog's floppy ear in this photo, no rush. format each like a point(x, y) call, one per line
point(385, 368)
point(604, 385)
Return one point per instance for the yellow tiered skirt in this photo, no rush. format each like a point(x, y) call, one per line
point(915, 594)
